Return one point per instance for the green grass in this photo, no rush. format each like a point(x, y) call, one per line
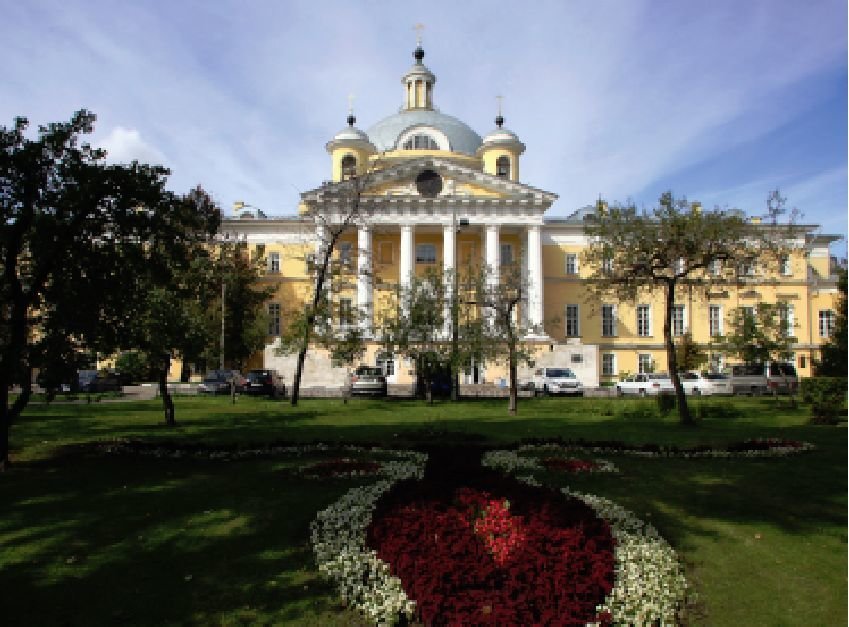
point(90, 539)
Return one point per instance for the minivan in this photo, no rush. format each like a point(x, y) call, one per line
point(756, 379)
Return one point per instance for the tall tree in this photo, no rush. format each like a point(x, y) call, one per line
point(689, 354)
point(635, 252)
point(833, 360)
point(338, 211)
point(77, 238)
point(759, 334)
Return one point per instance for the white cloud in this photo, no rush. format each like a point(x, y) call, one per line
point(123, 145)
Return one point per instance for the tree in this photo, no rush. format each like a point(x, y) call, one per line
point(499, 297)
point(339, 212)
point(689, 355)
point(417, 328)
point(760, 334)
point(77, 238)
point(636, 252)
point(833, 353)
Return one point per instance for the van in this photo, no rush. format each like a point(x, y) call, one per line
point(755, 379)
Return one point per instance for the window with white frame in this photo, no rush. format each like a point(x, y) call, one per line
point(645, 363)
point(572, 321)
point(420, 142)
point(787, 318)
point(716, 362)
point(608, 320)
point(784, 264)
point(643, 320)
point(506, 254)
point(678, 266)
point(608, 364)
point(571, 264)
point(715, 320)
point(274, 319)
point(386, 362)
point(715, 267)
point(346, 312)
point(274, 263)
point(678, 321)
point(607, 264)
point(827, 320)
point(425, 253)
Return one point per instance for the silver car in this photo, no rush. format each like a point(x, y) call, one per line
point(706, 383)
point(646, 384)
point(368, 380)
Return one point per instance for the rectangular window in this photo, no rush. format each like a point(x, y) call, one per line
point(274, 263)
point(678, 326)
point(785, 266)
point(715, 267)
point(259, 251)
point(608, 320)
point(425, 253)
point(645, 363)
point(715, 320)
point(385, 252)
point(346, 312)
point(678, 266)
point(787, 317)
point(571, 264)
point(274, 319)
point(506, 254)
point(643, 320)
point(608, 364)
point(716, 362)
point(345, 253)
point(572, 321)
point(607, 265)
point(827, 321)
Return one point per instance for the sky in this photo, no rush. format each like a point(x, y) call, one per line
point(720, 102)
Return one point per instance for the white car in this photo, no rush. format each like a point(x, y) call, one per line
point(556, 381)
point(706, 383)
point(646, 384)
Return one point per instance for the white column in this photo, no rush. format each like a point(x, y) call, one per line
point(535, 279)
point(449, 267)
point(492, 254)
point(364, 278)
point(405, 270)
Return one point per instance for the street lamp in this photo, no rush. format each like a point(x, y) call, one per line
point(455, 310)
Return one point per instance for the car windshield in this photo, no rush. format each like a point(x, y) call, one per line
point(257, 376)
point(215, 375)
point(369, 372)
point(559, 373)
point(659, 375)
point(714, 376)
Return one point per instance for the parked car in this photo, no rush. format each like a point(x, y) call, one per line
point(756, 379)
point(264, 381)
point(706, 383)
point(368, 380)
point(98, 381)
point(556, 381)
point(646, 384)
point(218, 382)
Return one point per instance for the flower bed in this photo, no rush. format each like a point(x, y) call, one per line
point(341, 467)
point(511, 554)
point(757, 447)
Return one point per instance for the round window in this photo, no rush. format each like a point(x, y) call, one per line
point(429, 183)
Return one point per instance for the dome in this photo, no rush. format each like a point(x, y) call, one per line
point(503, 137)
point(350, 136)
point(386, 133)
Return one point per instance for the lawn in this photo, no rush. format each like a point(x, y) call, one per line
point(89, 538)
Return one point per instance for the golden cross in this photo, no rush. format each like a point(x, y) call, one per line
point(351, 103)
point(418, 28)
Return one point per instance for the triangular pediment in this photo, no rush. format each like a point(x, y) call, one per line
point(458, 183)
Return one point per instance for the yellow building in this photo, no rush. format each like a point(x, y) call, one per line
point(438, 195)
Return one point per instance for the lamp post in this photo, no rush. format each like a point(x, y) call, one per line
point(455, 310)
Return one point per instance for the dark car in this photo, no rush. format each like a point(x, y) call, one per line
point(368, 380)
point(264, 381)
point(96, 381)
point(218, 382)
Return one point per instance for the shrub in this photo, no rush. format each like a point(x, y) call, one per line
point(827, 397)
point(665, 403)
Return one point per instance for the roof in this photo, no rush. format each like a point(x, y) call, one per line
point(384, 135)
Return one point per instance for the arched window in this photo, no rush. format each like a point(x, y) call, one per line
point(421, 142)
point(502, 167)
point(349, 166)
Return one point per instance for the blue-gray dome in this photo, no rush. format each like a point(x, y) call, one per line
point(384, 135)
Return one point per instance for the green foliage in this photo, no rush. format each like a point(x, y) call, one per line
point(827, 397)
point(665, 403)
point(689, 354)
point(134, 365)
point(833, 354)
point(757, 335)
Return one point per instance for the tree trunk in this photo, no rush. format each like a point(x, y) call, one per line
point(684, 415)
point(8, 414)
point(296, 382)
point(514, 388)
point(167, 401)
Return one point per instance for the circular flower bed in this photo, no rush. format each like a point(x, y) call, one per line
point(342, 468)
point(511, 554)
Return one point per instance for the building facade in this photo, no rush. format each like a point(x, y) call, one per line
point(420, 189)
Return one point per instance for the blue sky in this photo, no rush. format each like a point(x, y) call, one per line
point(720, 102)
